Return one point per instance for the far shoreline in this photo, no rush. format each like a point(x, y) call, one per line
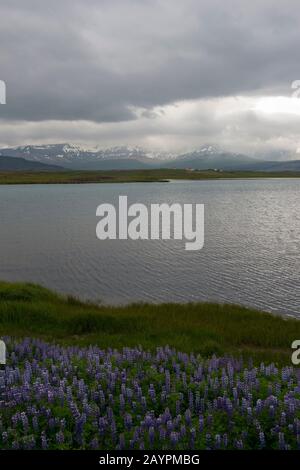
point(135, 176)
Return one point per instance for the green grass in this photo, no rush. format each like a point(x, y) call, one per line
point(131, 176)
point(31, 310)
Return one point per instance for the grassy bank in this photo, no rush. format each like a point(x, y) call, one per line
point(30, 310)
point(131, 176)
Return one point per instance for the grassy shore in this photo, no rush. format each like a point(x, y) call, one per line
point(132, 176)
point(30, 310)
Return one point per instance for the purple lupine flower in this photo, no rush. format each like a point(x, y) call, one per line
point(122, 401)
point(15, 445)
point(128, 421)
point(168, 381)
point(262, 440)
point(142, 445)
point(151, 392)
point(239, 444)
point(122, 445)
point(208, 441)
point(174, 439)
point(151, 436)
point(182, 431)
point(108, 400)
point(170, 426)
point(209, 420)
point(162, 434)
point(44, 441)
point(283, 419)
point(94, 444)
point(217, 441)
point(192, 438)
point(281, 441)
point(188, 417)
point(60, 438)
point(201, 423)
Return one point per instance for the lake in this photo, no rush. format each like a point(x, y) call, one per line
point(251, 254)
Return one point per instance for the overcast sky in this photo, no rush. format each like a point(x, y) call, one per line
point(164, 74)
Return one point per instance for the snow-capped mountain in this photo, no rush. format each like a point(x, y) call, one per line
point(77, 157)
point(125, 157)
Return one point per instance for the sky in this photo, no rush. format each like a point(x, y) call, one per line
point(166, 75)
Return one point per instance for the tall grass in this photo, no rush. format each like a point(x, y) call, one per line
point(31, 310)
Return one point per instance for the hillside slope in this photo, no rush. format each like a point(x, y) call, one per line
point(20, 164)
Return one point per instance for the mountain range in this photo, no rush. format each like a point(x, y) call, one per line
point(58, 156)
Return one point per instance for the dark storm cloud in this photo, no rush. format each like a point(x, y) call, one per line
point(100, 60)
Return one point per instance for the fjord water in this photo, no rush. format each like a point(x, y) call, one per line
point(251, 254)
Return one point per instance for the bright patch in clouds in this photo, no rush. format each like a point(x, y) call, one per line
point(248, 124)
point(278, 104)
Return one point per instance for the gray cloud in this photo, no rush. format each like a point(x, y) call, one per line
point(118, 61)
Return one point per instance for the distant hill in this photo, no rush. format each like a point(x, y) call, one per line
point(114, 164)
point(74, 157)
point(126, 158)
point(211, 157)
point(287, 165)
point(20, 164)
point(78, 158)
point(228, 162)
